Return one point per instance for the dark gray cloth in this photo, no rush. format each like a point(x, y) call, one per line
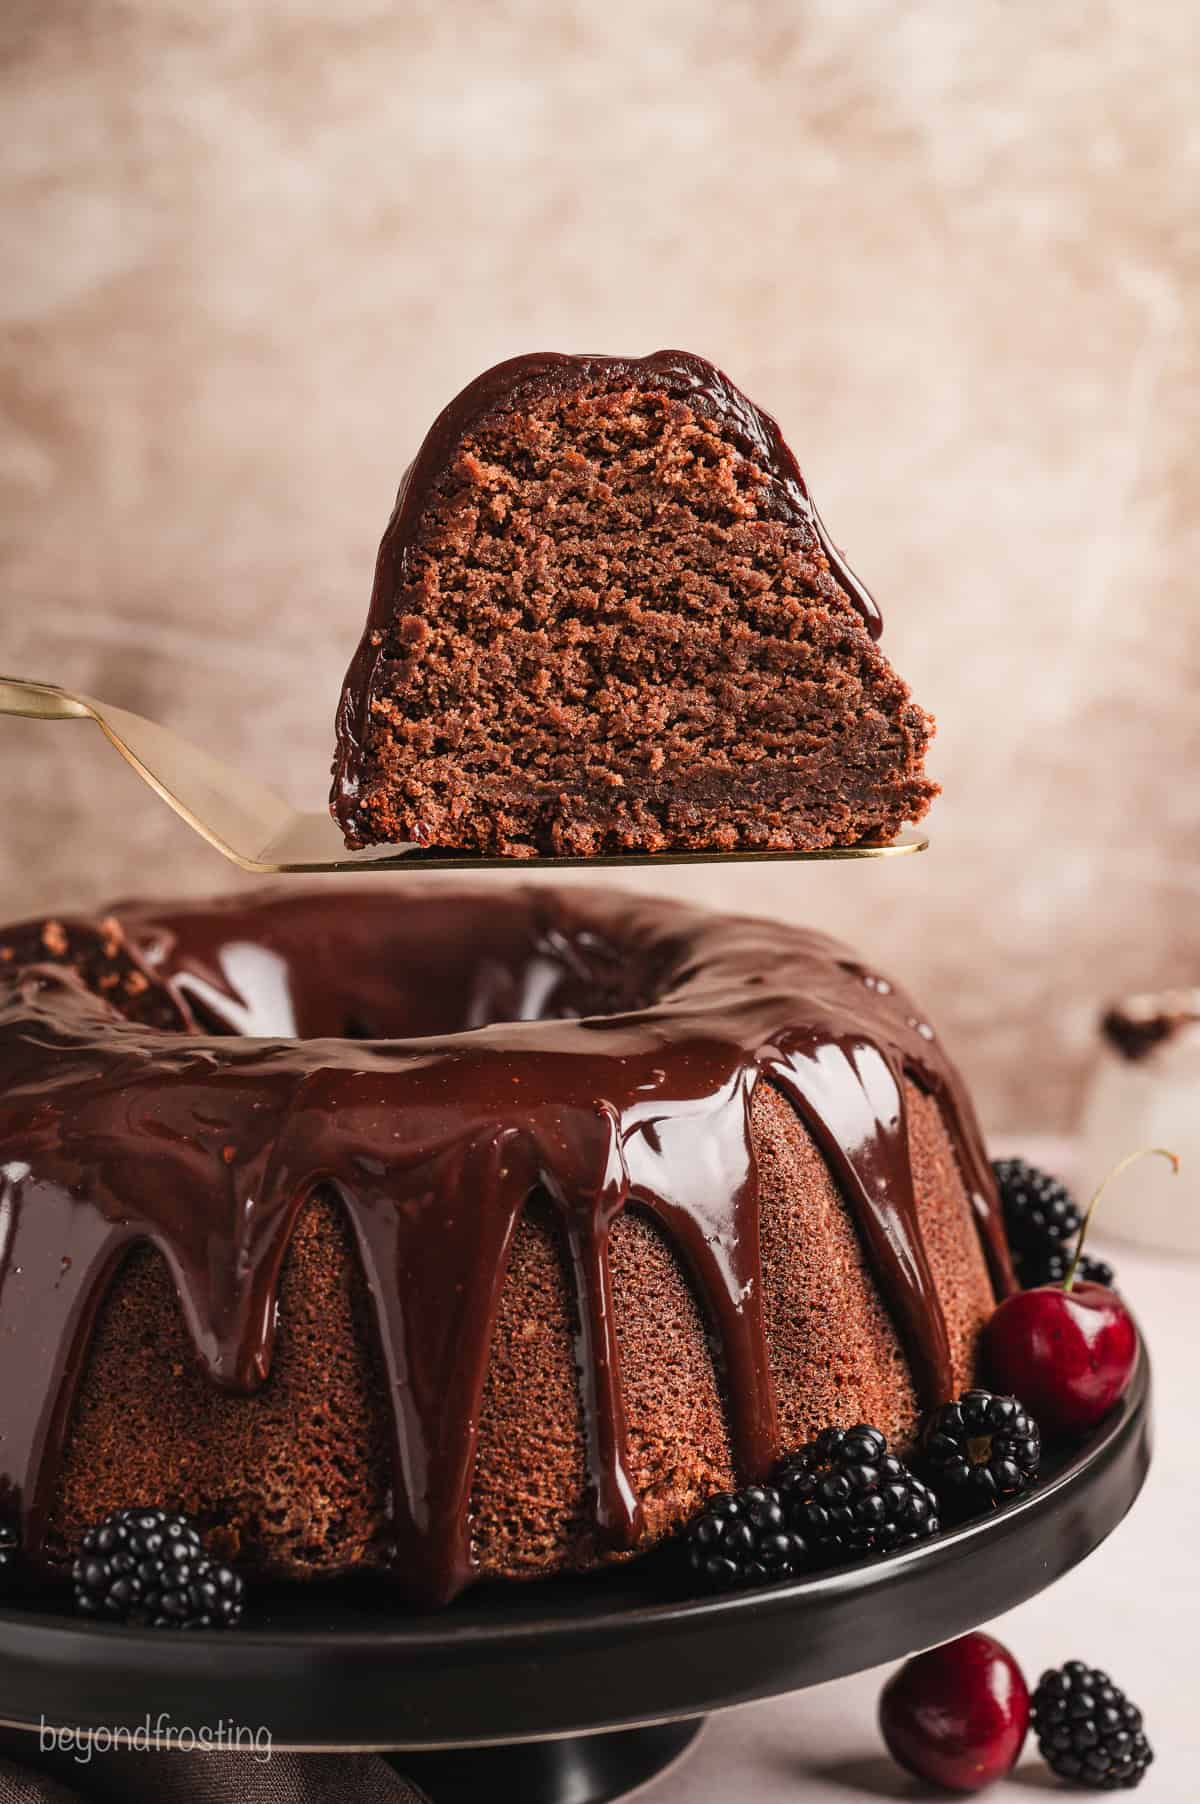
point(28, 1776)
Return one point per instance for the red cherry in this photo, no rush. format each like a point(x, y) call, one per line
point(1068, 1351)
point(1067, 1354)
point(957, 1717)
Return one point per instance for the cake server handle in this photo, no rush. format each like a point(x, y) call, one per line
point(40, 701)
point(233, 812)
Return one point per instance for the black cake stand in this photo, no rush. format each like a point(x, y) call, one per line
point(564, 1692)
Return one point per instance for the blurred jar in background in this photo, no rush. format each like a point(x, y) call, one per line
point(1145, 1091)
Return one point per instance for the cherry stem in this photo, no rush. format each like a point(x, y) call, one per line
point(1146, 1152)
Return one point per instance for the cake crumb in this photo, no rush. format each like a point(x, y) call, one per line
point(54, 939)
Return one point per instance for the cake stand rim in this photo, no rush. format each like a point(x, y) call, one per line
point(1061, 1522)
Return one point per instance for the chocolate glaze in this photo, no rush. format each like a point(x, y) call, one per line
point(509, 385)
point(434, 1065)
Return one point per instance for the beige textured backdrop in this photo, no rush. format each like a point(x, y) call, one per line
point(249, 251)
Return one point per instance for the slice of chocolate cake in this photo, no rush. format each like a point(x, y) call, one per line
point(607, 618)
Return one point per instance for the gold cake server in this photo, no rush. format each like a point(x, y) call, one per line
point(257, 830)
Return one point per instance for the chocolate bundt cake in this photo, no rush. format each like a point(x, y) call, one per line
point(481, 1235)
point(607, 618)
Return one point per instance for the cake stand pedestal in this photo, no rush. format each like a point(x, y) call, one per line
point(571, 1769)
point(566, 1692)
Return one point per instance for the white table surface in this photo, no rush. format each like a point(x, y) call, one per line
point(1133, 1608)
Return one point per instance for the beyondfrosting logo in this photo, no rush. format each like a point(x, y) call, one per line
point(156, 1735)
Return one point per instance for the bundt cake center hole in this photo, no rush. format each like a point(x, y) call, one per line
point(416, 984)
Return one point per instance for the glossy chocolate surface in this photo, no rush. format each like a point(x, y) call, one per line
point(509, 385)
point(434, 1064)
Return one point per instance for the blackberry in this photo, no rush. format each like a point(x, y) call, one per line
point(150, 1567)
point(862, 1445)
point(797, 1476)
point(980, 1451)
point(850, 1499)
point(743, 1538)
point(1087, 1729)
point(1040, 1213)
point(1052, 1268)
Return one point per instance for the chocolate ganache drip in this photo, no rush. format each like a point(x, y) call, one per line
point(188, 1076)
